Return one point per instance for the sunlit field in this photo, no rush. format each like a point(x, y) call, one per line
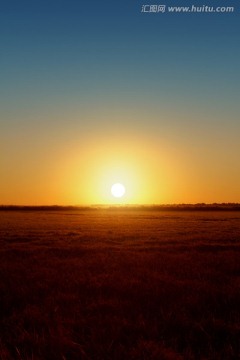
point(106, 284)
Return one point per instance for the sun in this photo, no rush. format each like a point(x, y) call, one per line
point(118, 190)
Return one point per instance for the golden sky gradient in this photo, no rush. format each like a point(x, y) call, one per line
point(93, 94)
point(66, 166)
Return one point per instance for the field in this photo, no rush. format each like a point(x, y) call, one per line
point(119, 284)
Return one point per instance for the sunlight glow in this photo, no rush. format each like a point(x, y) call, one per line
point(118, 190)
point(146, 172)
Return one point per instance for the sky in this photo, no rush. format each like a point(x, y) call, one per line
point(100, 92)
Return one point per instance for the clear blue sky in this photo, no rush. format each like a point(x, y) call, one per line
point(74, 71)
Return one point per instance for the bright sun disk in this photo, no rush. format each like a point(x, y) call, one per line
point(118, 190)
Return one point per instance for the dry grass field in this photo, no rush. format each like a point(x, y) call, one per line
point(119, 284)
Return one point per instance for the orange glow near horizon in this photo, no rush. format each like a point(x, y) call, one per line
point(83, 172)
point(86, 104)
point(147, 174)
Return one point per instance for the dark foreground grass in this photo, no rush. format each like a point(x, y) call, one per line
point(119, 285)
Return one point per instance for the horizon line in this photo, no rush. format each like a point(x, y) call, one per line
point(180, 206)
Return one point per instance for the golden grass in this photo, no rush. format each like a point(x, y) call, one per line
point(114, 285)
